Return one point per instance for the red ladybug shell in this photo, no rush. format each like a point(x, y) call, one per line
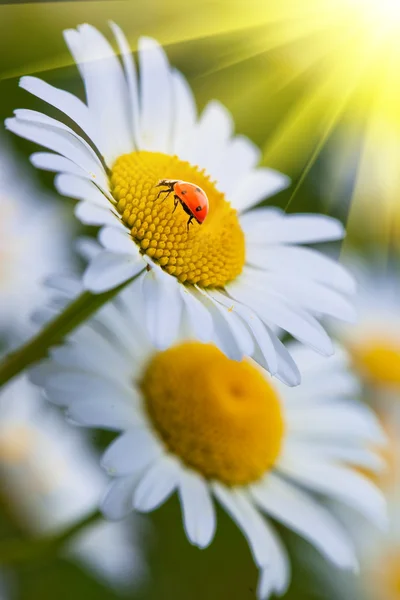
point(193, 198)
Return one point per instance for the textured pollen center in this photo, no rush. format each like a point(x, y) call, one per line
point(221, 417)
point(210, 254)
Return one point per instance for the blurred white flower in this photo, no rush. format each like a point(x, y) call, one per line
point(243, 271)
point(198, 423)
point(34, 242)
point(379, 551)
point(50, 479)
point(374, 341)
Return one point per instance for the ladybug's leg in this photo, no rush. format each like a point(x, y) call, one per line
point(176, 202)
point(189, 221)
point(167, 192)
point(169, 184)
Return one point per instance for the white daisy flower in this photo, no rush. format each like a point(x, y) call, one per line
point(50, 478)
point(374, 341)
point(243, 271)
point(379, 551)
point(33, 243)
point(210, 428)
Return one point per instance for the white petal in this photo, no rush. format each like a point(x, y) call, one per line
point(68, 285)
point(255, 220)
point(24, 115)
point(61, 140)
point(278, 570)
point(106, 93)
point(117, 321)
point(261, 333)
point(67, 103)
point(91, 351)
point(197, 508)
point(274, 578)
point(300, 512)
point(184, 114)
point(240, 157)
point(314, 365)
point(335, 420)
point(231, 335)
point(131, 79)
point(87, 248)
point(120, 317)
point(197, 320)
point(155, 97)
point(163, 307)
point(74, 42)
point(211, 138)
point(58, 164)
point(117, 240)
point(324, 385)
point(248, 520)
point(107, 413)
point(348, 454)
point(117, 501)
point(287, 369)
point(66, 387)
point(40, 373)
point(337, 482)
point(265, 586)
point(300, 229)
point(132, 452)
point(83, 189)
point(308, 294)
point(304, 262)
point(157, 484)
point(274, 309)
point(256, 186)
point(108, 270)
point(78, 383)
point(89, 214)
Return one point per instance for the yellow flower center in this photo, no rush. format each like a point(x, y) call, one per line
point(16, 444)
point(210, 254)
point(378, 360)
point(221, 417)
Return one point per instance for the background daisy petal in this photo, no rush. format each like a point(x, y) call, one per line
point(132, 452)
point(197, 509)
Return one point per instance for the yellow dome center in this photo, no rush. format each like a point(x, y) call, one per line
point(210, 254)
point(379, 361)
point(16, 444)
point(221, 417)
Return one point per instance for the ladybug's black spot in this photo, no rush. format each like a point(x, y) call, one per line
point(198, 189)
point(198, 208)
point(183, 192)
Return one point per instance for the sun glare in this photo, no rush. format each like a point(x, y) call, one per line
point(386, 10)
point(342, 58)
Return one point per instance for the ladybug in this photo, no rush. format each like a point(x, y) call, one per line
point(191, 197)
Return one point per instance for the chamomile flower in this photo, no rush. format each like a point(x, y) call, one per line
point(50, 478)
point(33, 244)
point(196, 422)
point(240, 270)
point(379, 551)
point(374, 341)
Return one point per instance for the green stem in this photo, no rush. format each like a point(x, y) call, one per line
point(26, 550)
point(55, 331)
